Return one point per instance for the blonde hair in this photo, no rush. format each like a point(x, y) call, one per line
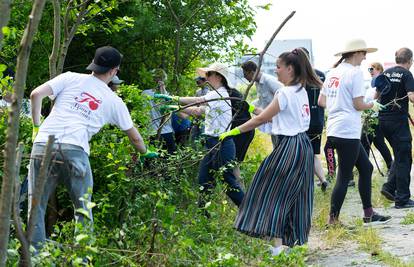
point(378, 66)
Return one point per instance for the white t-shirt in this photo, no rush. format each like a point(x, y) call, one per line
point(156, 116)
point(218, 113)
point(266, 88)
point(83, 104)
point(370, 94)
point(342, 85)
point(294, 115)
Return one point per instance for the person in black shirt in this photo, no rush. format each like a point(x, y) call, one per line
point(394, 89)
point(241, 114)
point(316, 125)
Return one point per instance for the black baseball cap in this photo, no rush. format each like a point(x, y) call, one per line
point(106, 58)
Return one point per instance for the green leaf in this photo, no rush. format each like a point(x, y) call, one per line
point(81, 237)
point(6, 30)
point(2, 67)
point(91, 205)
point(83, 212)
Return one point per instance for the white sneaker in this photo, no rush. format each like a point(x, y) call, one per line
point(276, 250)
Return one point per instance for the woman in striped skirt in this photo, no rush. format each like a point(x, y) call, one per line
point(278, 204)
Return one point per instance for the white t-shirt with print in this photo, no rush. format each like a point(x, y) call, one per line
point(156, 116)
point(294, 115)
point(83, 104)
point(266, 88)
point(218, 113)
point(342, 85)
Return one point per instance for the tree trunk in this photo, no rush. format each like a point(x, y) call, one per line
point(5, 16)
point(13, 127)
point(53, 58)
point(177, 56)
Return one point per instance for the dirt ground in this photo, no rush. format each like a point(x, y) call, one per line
point(397, 239)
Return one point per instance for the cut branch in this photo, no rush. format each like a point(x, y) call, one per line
point(17, 221)
point(264, 52)
point(39, 185)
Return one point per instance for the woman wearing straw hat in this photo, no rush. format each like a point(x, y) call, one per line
point(218, 117)
point(278, 204)
point(343, 96)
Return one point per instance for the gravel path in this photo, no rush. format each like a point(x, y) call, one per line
point(397, 239)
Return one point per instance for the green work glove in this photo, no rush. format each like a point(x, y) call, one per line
point(149, 154)
point(35, 131)
point(251, 107)
point(166, 97)
point(169, 108)
point(376, 106)
point(233, 132)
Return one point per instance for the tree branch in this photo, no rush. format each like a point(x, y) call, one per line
point(5, 16)
point(13, 126)
point(53, 58)
point(264, 52)
point(39, 185)
point(25, 259)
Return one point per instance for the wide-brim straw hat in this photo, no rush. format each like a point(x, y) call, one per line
point(356, 45)
point(217, 67)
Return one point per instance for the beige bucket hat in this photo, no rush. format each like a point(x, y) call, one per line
point(217, 67)
point(355, 45)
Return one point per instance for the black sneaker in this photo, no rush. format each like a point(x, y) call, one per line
point(388, 195)
point(376, 219)
point(406, 205)
point(351, 183)
point(324, 185)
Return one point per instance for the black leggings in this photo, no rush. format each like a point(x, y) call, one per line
point(350, 153)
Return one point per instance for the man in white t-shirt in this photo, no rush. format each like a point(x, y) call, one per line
point(83, 104)
point(266, 87)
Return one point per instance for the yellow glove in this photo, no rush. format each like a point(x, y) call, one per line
point(233, 132)
point(35, 131)
point(251, 107)
point(376, 106)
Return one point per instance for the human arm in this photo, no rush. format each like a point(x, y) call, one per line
point(266, 115)
point(36, 98)
point(359, 103)
point(322, 100)
point(136, 140)
point(194, 111)
point(411, 96)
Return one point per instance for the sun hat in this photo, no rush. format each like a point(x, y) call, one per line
point(216, 67)
point(355, 45)
point(115, 80)
point(106, 58)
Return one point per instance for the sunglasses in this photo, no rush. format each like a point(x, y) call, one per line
point(371, 69)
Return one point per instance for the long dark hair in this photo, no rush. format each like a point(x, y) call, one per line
point(304, 72)
point(343, 57)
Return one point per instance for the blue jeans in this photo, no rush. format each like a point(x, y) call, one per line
point(70, 165)
point(221, 155)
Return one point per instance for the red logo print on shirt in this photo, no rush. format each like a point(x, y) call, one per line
point(333, 82)
point(92, 101)
point(305, 110)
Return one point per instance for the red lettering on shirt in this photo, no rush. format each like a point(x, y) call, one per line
point(305, 110)
point(333, 82)
point(92, 101)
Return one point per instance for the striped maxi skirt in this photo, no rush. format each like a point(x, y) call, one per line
point(279, 202)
